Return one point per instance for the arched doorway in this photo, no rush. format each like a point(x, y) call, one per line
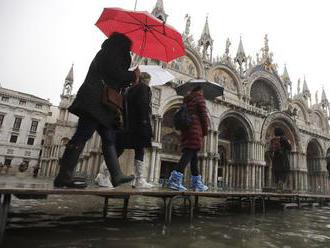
point(233, 149)
point(296, 179)
point(268, 176)
point(314, 157)
point(170, 139)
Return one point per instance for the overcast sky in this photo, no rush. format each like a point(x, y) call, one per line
point(40, 39)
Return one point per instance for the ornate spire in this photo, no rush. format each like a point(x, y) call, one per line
point(324, 100)
point(305, 87)
point(159, 11)
point(226, 59)
point(68, 83)
point(69, 77)
point(206, 41)
point(285, 75)
point(306, 93)
point(267, 57)
point(240, 55)
point(287, 81)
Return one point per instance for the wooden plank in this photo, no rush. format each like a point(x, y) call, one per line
point(30, 186)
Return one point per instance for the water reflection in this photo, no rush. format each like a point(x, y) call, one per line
point(76, 221)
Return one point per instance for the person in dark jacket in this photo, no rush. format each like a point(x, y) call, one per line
point(191, 142)
point(281, 148)
point(109, 67)
point(138, 133)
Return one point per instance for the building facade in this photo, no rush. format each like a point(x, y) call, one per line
point(22, 120)
point(257, 99)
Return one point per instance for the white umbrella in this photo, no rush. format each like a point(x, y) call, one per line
point(159, 76)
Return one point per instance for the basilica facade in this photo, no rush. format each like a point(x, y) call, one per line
point(235, 155)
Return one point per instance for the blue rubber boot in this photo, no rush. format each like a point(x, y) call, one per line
point(175, 181)
point(197, 184)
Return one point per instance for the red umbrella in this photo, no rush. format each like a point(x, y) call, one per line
point(151, 37)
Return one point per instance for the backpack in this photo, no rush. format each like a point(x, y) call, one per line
point(182, 118)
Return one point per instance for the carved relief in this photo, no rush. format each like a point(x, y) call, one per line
point(264, 96)
point(222, 77)
point(300, 113)
point(184, 65)
point(316, 120)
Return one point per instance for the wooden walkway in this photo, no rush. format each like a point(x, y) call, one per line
point(39, 188)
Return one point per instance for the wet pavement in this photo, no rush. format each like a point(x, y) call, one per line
point(76, 221)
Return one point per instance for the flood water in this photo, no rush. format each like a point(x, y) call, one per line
point(76, 221)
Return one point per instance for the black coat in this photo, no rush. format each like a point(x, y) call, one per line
point(138, 130)
point(111, 66)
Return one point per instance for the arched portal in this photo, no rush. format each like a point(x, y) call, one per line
point(314, 157)
point(234, 135)
point(170, 139)
point(269, 168)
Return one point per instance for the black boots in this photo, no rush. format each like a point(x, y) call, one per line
point(111, 160)
point(68, 163)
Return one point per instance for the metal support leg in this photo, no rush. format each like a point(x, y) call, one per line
point(263, 203)
point(125, 208)
point(191, 209)
point(168, 217)
point(252, 205)
point(165, 210)
point(298, 202)
point(105, 207)
point(169, 210)
point(4, 207)
point(196, 204)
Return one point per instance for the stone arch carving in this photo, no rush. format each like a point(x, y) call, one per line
point(190, 64)
point(171, 102)
point(273, 82)
point(222, 74)
point(318, 119)
point(242, 119)
point(281, 119)
point(303, 109)
point(317, 143)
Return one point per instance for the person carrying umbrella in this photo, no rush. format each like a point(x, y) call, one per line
point(108, 68)
point(191, 142)
point(138, 132)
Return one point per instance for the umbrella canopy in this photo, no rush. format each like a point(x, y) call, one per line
point(211, 90)
point(158, 75)
point(151, 37)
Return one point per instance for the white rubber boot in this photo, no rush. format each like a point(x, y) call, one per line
point(140, 181)
point(103, 177)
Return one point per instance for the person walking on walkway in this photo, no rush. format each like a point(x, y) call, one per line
point(108, 68)
point(138, 132)
point(191, 142)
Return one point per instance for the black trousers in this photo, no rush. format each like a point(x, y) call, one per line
point(85, 130)
point(189, 156)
